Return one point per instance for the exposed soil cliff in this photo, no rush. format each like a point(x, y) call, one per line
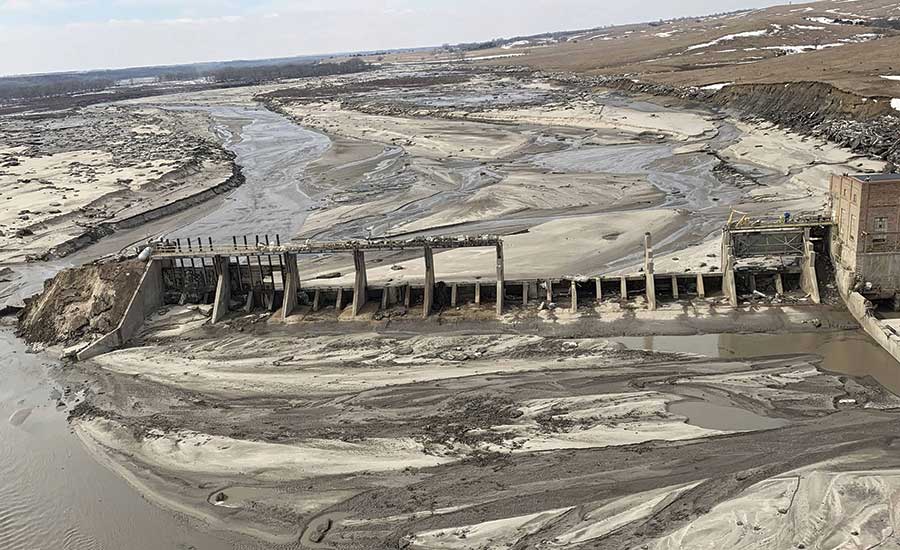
point(80, 302)
point(867, 125)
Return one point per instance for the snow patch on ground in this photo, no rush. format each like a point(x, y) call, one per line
point(895, 103)
point(728, 37)
point(515, 44)
point(823, 20)
point(791, 50)
point(718, 86)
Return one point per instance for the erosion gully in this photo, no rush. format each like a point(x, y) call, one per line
point(54, 495)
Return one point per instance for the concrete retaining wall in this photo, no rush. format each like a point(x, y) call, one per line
point(147, 297)
point(236, 179)
point(861, 309)
point(882, 270)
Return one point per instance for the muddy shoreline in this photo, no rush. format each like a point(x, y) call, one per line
point(363, 389)
point(543, 430)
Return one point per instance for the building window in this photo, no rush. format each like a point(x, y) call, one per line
point(879, 225)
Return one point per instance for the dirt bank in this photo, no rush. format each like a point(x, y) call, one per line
point(69, 178)
point(865, 125)
point(80, 303)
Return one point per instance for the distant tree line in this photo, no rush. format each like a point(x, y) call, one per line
point(486, 45)
point(34, 87)
point(30, 87)
point(256, 74)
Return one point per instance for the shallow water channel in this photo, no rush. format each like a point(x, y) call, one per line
point(845, 352)
point(54, 495)
point(848, 352)
point(273, 153)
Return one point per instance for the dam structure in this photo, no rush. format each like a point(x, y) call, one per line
point(775, 252)
point(268, 275)
point(769, 259)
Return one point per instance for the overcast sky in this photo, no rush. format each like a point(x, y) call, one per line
point(58, 35)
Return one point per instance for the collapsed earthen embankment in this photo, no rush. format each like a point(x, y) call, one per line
point(80, 303)
point(863, 124)
point(866, 125)
point(106, 228)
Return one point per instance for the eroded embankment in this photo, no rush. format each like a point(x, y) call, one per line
point(104, 229)
point(867, 125)
point(80, 303)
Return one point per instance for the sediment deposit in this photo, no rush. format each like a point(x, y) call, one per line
point(431, 440)
point(529, 432)
point(67, 178)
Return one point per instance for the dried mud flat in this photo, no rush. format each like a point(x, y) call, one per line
point(498, 440)
point(495, 436)
point(463, 150)
point(63, 174)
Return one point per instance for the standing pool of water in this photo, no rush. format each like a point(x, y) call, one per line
point(53, 494)
point(846, 352)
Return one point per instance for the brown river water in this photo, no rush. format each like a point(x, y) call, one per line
point(53, 495)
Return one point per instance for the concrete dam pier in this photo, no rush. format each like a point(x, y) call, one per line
point(268, 275)
point(244, 275)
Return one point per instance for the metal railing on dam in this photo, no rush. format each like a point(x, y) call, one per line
point(257, 270)
point(263, 247)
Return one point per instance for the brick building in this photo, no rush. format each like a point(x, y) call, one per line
point(866, 211)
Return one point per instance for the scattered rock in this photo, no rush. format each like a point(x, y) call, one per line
point(319, 529)
point(20, 416)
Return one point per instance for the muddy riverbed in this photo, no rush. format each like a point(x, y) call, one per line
point(54, 494)
point(374, 439)
point(261, 434)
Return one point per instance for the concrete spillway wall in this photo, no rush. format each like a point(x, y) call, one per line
point(863, 311)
